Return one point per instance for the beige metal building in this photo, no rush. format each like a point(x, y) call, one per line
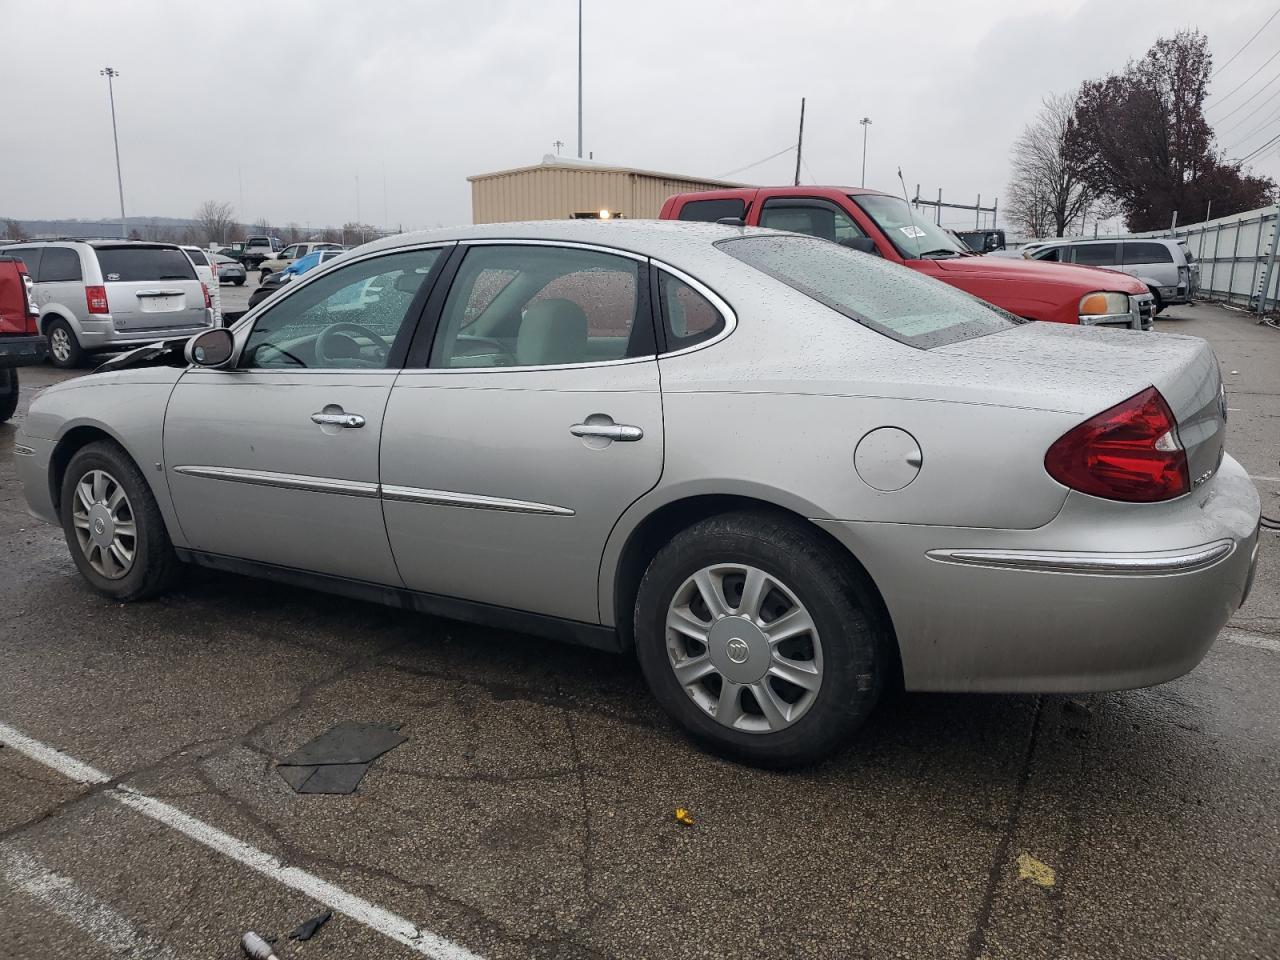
point(559, 188)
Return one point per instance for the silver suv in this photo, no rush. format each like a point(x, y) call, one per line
point(96, 295)
point(1167, 267)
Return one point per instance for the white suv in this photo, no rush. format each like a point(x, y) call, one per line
point(98, 295)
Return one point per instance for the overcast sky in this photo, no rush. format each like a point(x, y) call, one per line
point(279, 107)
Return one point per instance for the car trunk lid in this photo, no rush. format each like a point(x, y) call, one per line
point(1089, 370)
point(151, 288)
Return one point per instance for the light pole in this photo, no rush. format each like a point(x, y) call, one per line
point(866, 122)
point(111, 73)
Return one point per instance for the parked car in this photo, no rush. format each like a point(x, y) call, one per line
point(982, 241)
point(636, 454)
point(257, 249)
point(1167, 267)
point(290, 254)
point(20, 341)
point(208, 275)
point(275, 281)
point(96, 295)
point(230, 270)
point(888, 227)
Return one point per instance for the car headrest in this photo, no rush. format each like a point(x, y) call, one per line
point(552, 331)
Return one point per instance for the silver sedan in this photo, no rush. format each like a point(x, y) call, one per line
point(784, 473)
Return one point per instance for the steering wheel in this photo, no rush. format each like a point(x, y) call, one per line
point(325, 343)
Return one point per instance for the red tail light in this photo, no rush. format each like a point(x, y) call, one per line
point(33, 312)
point(208, 301)
point(96, 298)
point(1130, 452)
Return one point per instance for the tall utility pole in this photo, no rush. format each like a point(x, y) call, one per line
point(579, 79)
point(111, 73)
point(866, 122)
point(800, 142)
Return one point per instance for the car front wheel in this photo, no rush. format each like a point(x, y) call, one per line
point(8, 393)
point(760, 639)
point(113, 526)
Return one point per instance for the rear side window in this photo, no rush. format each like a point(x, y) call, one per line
point(60, 264)
point(1147, 253)
point(688, 316)
point(709, 211)
point(890, 299)
point(30, 256)
point(198, 258)
point(144, 264)
point(1097, 254)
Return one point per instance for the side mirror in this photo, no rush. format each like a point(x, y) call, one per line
point(213, 348)
point(861, 244)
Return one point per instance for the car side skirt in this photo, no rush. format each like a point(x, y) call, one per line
point(468, 611)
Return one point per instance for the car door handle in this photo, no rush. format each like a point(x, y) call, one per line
point(338, 419)
point(610, 431)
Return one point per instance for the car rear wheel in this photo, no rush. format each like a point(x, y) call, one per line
point(113, 526)
point(262, 275)
point(760, 639)
point(64, 348)
point(8, 393)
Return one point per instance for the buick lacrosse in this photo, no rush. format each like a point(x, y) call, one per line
point(782, 472)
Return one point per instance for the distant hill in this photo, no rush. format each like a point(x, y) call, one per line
point(148, 228)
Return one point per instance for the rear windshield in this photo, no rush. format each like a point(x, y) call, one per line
point(888, 298)
point(144, 264)
point(198, 258)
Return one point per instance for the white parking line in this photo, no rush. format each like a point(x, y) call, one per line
point(61, 896)
point(385, 922)
point(1246, 639)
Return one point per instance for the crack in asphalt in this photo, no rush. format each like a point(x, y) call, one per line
point(1000, 858)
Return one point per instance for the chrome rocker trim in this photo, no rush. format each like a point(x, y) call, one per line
point(1052, 561)
point(448, 498)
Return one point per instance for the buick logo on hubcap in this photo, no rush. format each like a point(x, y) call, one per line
point(737, 650)
point(99, 527)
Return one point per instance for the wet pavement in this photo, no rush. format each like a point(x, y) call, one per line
point(531, 812)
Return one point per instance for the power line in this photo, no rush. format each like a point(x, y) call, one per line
point(1246, 80)
point(1246, 102)
point(1246, 43)
point(1245, 119)
point(1254, 154)
point(1256, 130)
point(809, 172)
point(772, 156)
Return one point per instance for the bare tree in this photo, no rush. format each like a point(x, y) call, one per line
point(1048, 191)
point(263, 225)
point(13, 230)
point(213, 219)
point(293, 233)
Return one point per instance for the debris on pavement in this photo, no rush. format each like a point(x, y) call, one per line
point(1029, 868)
point(684, 816)
point(308, 930)
point(336, 760)
point(256, 948)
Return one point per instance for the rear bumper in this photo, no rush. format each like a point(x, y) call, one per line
point(1104, 597)
point(103, 336)
point(23, 350)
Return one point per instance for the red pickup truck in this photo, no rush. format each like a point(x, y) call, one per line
point(20, 340)
point(889, 227)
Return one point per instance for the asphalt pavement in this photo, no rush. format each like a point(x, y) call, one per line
point(532, 811)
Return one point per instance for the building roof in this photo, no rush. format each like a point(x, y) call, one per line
point(552, 162)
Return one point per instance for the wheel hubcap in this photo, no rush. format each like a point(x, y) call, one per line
point(60, 345)
point(744, 648)
point(104, 524)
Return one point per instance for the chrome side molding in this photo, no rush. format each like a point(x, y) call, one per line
point(356, 488)
point(449, 498)
point(1053, 561)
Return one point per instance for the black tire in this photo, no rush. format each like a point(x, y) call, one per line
point(239, 282)
point(262, 276)
point(8, 393)
point(1159, 305)
point(71, 353)
point(840, 600)
point(155, 566)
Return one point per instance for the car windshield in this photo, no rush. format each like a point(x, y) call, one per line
point(910, 231)
point(886, 297)
point(142, 264)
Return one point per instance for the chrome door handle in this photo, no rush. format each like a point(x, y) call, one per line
point(610, 431)
point(338, 419)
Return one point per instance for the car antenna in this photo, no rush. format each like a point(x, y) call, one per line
point(915, 231)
